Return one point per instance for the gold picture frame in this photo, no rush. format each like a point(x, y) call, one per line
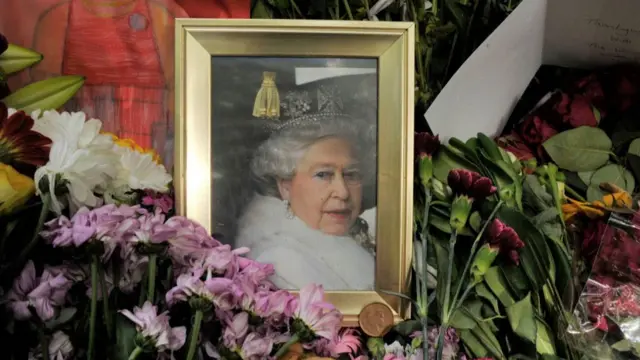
point(392, 43)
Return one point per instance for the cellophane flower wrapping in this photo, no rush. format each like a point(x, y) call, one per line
point(607, 314)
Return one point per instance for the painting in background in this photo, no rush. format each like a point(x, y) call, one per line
point(125, 48)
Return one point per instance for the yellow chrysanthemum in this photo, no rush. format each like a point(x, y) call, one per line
point(131, 144)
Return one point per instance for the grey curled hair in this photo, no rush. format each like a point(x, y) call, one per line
point(277, 157)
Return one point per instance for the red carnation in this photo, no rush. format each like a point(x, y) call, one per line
point(426, 144)
point(506, 239)
point(470, 183)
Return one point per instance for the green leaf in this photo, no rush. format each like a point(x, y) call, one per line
point(260, 11)
point(634, 147)
point(408, 327)
point(522, 320)
point(484, 333)
point(448, 159)
point(544, 340)
point(534, 257)
point(483, 291)
point(125, 335)
point(581, 149)
point(462, 321)
point(474, 344)
point(442, 259)
point(622, 346)
point(489, 147)
point(493, 279)
point(585, 176)
point(614, 174)
point(441, 223)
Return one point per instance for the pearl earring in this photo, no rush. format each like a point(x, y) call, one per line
point(289, 213)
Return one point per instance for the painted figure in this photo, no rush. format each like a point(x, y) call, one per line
point(125, 48)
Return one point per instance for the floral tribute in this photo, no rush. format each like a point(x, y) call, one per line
point(111, 273)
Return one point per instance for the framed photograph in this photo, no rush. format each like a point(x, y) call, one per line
point(295, 139)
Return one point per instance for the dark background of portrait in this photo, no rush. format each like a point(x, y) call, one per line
point(236, 133)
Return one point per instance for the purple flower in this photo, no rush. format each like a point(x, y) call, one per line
point(107, 224)
point(44, 294)
point(221, 260)
point(254, 346)
point(321, 317)
point(256, 272)
point(217, 291)
point(235, 330)
point(277, 305)
point(155, 328)
point(451, 343)
point(60, 348)
point(189, 241)
point(149, 229)
point(158, 201)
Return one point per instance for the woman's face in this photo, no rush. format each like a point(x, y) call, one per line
point(326, 190)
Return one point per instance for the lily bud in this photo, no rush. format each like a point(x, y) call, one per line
point(482, 261)
point(460, 211)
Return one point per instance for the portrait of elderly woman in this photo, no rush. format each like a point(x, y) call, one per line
point(307, 217)
point(299, 187)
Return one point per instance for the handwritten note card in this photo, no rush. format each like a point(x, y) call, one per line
point(587, 33)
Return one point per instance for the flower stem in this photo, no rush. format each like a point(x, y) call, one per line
point(425, 337)
point(44, 213)
point(134, 354)
point(573, 193)
point(105, 303)
point(44, 342)
point(447, 294)
point(94, 307)
point(476, 242)
point(440, 343)
point(151, 285)
point(195, 334)
point(285, 348)
point(347, 7)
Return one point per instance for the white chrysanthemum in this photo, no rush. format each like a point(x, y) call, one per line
point(139, 171)
point(80, 157)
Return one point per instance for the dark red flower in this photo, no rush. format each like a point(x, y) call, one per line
point(576, 111)
point(592, 238)
point(534, 131)
point(506, 239)
point(425, 144)
point(470, 183)
point(590, 87)
point(514, 144)
point(19, 144)
point(4, 44)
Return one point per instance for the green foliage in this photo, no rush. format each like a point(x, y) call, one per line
point(446, 33)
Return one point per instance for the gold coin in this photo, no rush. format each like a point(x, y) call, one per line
point(376, 319)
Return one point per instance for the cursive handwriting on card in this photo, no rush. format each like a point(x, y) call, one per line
point(614, 40)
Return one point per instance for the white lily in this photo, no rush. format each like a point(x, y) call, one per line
point(81, 159)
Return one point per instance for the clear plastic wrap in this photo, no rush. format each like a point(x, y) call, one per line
point(607, 314)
